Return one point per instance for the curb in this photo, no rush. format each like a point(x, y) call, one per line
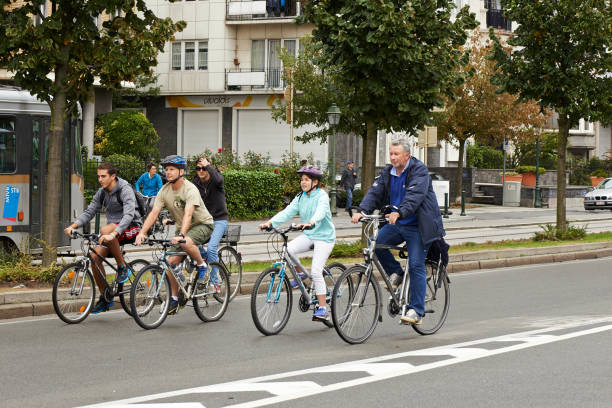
point(38, 302)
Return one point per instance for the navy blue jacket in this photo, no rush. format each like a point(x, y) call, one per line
point(419, 199)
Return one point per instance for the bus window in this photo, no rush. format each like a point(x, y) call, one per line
point(8, 152)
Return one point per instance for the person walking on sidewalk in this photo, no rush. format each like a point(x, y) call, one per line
point(118, 197)
point(312, 204)
point(151, 181)
point(406, 184)
point(348, 180)
point(209, 182)
point(194, 224)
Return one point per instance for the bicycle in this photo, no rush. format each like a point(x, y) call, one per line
point(231, 258)
point(150, 293)
point(271, 298)
point(357, 312)
point(74, 289)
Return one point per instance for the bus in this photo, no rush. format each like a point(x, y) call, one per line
point(24, 131)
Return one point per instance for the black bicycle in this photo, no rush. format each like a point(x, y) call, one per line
point(357, 305)
point(74, 289)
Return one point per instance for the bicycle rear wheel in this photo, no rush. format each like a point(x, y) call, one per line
point(271, 301)
point(73, 293)
point(210, 305)
point(355, 306)
point(437, 299)
point(150, 297)
point(231, 259)
point(125, 288)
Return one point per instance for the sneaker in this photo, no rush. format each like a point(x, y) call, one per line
point(411, 317)
point(396, 280)
point(101, 306)
point(123, 274)
point(173, 307)
point(294, 283)
point(320, 314)
point(203, 275)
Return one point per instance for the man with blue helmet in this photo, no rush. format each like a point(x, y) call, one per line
point(194, 224)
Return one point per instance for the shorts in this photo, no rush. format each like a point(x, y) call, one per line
point(129, 235)
point(199, 234)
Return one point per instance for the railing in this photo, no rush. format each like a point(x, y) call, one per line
point(496, 19)
point(240, 10)
point(253, 79)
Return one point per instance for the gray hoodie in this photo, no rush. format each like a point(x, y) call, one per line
point(116, 213)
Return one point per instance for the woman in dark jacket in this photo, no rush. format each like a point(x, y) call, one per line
point(209, 182)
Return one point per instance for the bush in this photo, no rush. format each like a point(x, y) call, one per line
point(550, 232)
point(486, 157)
point(529, 170)
point(345, 249)
point(17, 267)
point(599, 173)
point(126, 132)
point(128, 167)
point(252, 194)
point(526, 151)
point(341, 197)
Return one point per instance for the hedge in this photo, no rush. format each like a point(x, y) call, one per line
point(252, 194)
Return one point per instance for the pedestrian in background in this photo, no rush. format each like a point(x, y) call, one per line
point(151, 181)
point(348, 180)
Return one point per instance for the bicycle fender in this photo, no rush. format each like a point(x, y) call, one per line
point(277, 265)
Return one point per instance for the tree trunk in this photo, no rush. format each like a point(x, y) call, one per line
point(54, 173)
point(564, 126)
point(459, 175)
point(368, 158)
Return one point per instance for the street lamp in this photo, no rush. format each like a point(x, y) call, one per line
point(537, 203)
point(333, 118)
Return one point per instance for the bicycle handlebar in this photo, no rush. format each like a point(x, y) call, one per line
point(163, 242)
point(292, 227)
point(88, 237)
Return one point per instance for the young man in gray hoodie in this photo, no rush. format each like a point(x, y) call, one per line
point(123, 225)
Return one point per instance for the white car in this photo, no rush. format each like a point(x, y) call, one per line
point(600, 198)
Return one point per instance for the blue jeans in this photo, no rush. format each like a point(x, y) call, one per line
point(213, 245)
point(395, 235)
point(349, 198)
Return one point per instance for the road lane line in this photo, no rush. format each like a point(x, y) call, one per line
point(374, 368)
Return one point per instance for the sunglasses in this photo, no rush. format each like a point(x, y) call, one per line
point(198, 168)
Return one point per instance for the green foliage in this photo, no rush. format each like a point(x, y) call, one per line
point(599, 173)
point(128, 167)
point(341, 197)
point(256, 161)
point(252, 194)
point(17, 267)
point(344, 249)
point(529, 170)
point(126, 132)
point(550, 232)
point(525, 151)
point(486, 157)
point(580, 170)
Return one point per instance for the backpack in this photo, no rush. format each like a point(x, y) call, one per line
point(142, 204)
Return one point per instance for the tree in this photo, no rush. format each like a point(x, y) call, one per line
point(126, 132)
point(393, 61)
point(478, 111)
point(67, 43)
point(560, 58)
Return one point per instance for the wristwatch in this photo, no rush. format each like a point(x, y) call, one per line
point(180, 234)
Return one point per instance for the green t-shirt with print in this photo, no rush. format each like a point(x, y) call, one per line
point(176, 200)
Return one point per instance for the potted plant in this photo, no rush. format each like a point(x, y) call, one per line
point(529, 174)
point(598, 176)
point(511, 176)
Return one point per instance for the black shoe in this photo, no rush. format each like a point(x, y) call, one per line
point(173, 307)
point(396, 280)
point(101, 306)
point(123, 274)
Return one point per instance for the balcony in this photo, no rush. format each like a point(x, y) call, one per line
point(581, 141)
point(262, 11)
point(253, 79)
point(496, 19)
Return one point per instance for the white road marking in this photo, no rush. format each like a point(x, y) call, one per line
point(378, 368)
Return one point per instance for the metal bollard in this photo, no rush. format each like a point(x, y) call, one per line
point(445, 205)
point(462, 203)
point(97, 225)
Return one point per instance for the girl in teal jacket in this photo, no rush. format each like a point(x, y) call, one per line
point(312, 204)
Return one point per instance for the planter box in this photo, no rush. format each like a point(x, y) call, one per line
point(596, 180)
point(514, 178)
point(529, 179)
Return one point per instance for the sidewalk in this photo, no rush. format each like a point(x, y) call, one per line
point(27, 302)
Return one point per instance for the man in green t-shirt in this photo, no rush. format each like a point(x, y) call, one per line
point(194, 224)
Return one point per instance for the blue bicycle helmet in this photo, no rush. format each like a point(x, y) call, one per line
point(174, 160)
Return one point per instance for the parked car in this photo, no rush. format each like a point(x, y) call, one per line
point(600, 198)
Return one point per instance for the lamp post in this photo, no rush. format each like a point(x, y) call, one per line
point(537, 203)
point(333, 118)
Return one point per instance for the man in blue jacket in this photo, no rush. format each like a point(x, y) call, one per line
point(406, 184)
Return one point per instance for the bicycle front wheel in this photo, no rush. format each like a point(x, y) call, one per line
point(125, 288)
point(328, 277)
point(355, 306)
point(271, 301)
point(437, 299)
point(231, 259)
point(210, 303)
point(150, 297)
point(73, 293)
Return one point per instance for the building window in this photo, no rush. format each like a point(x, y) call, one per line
point(495, 15)
point(265, 56)
point(186, 53)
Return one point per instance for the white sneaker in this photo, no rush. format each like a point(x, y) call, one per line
point(411, 317)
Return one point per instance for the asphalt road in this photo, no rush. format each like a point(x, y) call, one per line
point(538, 336)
